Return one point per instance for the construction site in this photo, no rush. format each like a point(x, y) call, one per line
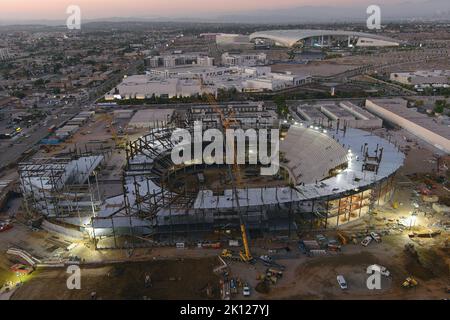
point(158, 201)
point(116, 198)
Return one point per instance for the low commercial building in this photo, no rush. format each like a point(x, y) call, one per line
point(250, 60)
point(339, 114)
point(422, 77)
point(234, 41)
point(123, 114)
point(196, 80)
point(142, 87)
point(421, 125)
point(150, 118)
point(171, 61)
point(74, 124)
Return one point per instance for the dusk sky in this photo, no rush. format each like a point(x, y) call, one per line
point(56, 9)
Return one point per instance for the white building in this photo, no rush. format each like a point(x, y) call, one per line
point(146, 86)
point(422, 77)
point(249, 60)
point(196, 80)
point(175, 60)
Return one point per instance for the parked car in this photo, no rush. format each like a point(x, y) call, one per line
point(376, 237)
point(246, 292)
point(266, 258)
point(341, 281)
point(233, 286)
point(366, 241)
point(5, 227)
point(22, 269)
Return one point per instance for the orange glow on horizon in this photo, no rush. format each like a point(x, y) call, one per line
point(56, 9)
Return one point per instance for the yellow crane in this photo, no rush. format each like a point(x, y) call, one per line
point(119, 142)
point(245, 255)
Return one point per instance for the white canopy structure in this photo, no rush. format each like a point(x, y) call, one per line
point(292, 38)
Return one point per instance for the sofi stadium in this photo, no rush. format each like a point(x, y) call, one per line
point(322, 38)
point(329, 176)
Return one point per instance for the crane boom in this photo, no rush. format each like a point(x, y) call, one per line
point(235, 176)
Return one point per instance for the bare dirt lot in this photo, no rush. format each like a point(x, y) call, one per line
point(172, 279)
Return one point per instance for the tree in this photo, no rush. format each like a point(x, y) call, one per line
point(19, 94)
point(282, 108)
point(39, 83)
point(419, 103)
point(440, 105)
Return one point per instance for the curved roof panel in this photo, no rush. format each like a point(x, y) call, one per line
point(289, 38)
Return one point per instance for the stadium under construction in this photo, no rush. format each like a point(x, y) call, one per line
point(329, 176)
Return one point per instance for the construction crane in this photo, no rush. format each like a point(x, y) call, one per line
point(119, 142)
point(234, 173)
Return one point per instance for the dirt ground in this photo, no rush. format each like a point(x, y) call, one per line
point(171, 280)
point(315, 278)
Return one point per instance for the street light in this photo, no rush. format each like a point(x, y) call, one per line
point(412, 220)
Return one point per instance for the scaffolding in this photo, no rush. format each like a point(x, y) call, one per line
point(62, 187)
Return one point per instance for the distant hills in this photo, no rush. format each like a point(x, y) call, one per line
point(407, 10)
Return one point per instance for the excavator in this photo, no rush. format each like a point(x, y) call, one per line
point(235, 174)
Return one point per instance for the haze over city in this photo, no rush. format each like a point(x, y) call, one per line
point(227, 11)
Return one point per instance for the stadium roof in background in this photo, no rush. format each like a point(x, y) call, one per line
point(289, 38)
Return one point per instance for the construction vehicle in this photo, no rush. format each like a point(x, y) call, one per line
point(410, 282)
point(226, 254)
point(230, 255)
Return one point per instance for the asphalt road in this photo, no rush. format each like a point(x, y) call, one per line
point(12, 154)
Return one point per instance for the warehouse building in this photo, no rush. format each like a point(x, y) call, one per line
point(150, 118)
point(422, 77)
point(421, 125)
point(338, 114)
